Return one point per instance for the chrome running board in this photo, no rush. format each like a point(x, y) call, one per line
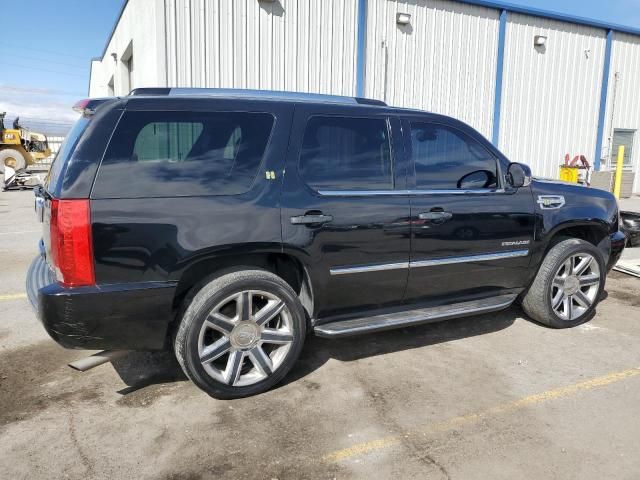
point(407, 318)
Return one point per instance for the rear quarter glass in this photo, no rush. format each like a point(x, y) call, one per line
point(64, 154)
point(156, 154)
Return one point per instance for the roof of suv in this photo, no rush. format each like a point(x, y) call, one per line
point(257, 95)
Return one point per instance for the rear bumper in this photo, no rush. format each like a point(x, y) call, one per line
point(618, 241)
point(105, 317)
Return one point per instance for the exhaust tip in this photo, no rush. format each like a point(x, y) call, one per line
point(97, 359)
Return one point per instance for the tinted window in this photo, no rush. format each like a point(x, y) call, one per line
point(341, 153)
point(446, 158)
point(65, 151)
point(165, 154)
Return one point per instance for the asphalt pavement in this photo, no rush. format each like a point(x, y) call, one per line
point(493, 396)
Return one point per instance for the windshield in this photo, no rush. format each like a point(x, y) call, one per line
point(66, 149)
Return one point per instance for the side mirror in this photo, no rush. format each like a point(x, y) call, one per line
point(476, 180)
point(518, 175)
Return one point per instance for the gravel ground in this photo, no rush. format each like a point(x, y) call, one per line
point(492, 396)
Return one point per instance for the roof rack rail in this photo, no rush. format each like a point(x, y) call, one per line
point(258, 94)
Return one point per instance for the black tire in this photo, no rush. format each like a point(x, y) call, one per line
point(197, 308)
point(14, 157)
point(537, 302)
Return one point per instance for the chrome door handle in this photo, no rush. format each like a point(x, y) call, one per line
point(441, 216)
point(311, 219)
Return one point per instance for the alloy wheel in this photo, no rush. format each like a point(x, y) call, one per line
point(575, 286)
point(245, 338)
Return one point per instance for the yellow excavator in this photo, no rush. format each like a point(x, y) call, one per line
point(20, 148)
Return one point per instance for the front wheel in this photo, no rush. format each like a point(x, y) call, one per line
point(568, 285)
point(240, 334)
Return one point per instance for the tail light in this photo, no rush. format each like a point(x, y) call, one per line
point(71, 244)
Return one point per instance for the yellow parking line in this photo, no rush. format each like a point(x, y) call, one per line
point(562, 392)
point(13, 296)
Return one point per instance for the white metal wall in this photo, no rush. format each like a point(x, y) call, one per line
point(623, 100)
point(301, 45)
point(444, 62)
point(551, 95)
point(141, 28)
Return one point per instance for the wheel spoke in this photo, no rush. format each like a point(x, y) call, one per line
point(279, 337)
point(582, 299)
point(558, 282)
point(268, 312)
point(583, 265)
point(557, 300)
point(215, 350)
point(220, 322)
point(243, 306)
point(588, 280)
point(261, 360)
point(568, 307)
point(568, 266)
point(234, 367)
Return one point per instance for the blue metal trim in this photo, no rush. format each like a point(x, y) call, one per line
point(502, 33)
point(563, 17)
point(603, 100)
point(362, 39)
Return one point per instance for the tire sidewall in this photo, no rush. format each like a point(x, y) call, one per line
point(197, 312)
point(577, 247)
point(11, 152)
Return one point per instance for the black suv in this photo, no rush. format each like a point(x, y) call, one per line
point(229, 224)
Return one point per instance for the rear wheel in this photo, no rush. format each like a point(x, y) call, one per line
point(240, 334)
point(12, 158)
point(568, 285)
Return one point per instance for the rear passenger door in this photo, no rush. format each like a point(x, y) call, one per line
point(345, 210)
point(470, 235)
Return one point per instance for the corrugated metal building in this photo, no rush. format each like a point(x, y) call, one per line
point(538, 84)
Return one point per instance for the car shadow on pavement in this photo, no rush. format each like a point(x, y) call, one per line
point(317, 351)
point(143, 369)
point(139, 370)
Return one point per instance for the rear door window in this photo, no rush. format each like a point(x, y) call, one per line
point(167, 154)
point(346, 153)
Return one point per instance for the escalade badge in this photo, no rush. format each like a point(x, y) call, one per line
point(516, 243)
point(550, 202)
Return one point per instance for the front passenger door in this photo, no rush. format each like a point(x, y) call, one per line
point(470, 235)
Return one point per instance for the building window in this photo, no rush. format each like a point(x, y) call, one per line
point(129, 64)
point(622, 137)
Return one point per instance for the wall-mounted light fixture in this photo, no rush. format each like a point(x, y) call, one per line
point(115, 56)
point(403, 18)
point(539, 41)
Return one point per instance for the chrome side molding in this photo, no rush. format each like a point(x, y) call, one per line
point(371, 193)
point(369, 268)
point(485, 257)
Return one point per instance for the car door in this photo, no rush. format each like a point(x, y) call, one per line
point(345, 209)
point(470, 234)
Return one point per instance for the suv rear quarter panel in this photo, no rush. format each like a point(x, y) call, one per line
point(157, 239)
